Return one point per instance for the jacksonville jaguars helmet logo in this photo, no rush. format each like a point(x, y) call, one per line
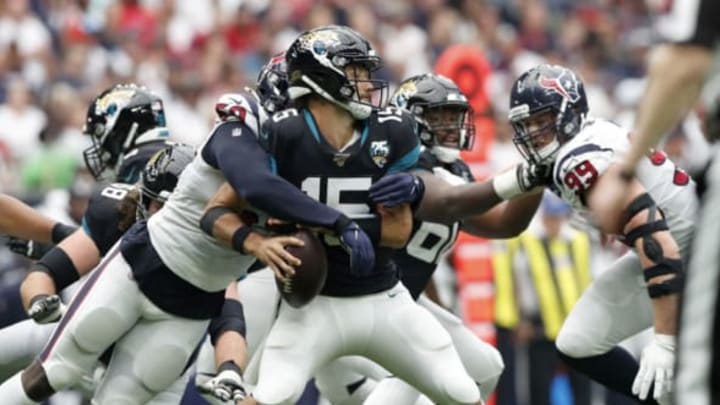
point(403, 94)
point(379, 152)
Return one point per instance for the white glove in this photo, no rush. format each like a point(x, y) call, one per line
point(227, 384)
point(46, 308)
point(656, 364)
point(523, 178)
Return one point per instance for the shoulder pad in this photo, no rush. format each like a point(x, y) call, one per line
point(242, 107)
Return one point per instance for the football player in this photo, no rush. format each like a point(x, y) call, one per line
point(167, 278)
point(333, 146)
point(120, 106)
point(126, 123)
point(548, 111)
point(446, 128)
point(114, 209)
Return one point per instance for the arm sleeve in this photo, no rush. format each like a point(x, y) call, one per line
point(235, 151)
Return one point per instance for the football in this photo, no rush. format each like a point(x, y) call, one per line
point(309, 277)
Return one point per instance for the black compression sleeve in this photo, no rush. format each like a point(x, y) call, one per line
point(61, 231)
point(59, 266)
point(231, 318)
point(246, 166)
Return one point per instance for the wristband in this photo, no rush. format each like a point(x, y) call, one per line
point(506, 184)
point(211, 216)
point(238, 238)
point(61, 231)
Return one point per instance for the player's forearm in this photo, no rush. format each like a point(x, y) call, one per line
point(672, 89)
point(665, 314)
point(231, 346)
point(445, 203)
point(35, 283)
point(64, 264)
point(505, 220)
point(396, 226)
point(22, 221)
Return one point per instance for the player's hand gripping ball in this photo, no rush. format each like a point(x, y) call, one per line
point(309, 278)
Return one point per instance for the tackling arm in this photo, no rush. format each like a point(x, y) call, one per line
point(643, 226)
point(445, 203)
point(22, 221)
point(671, 91)
point(505, 220)
point(74, 257)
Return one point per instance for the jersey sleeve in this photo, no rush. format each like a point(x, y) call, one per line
point(406, 143)
point(234, 150)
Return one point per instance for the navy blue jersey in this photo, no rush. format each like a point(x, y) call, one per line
point(102, 219)
point(387, 143)
point(429, 240)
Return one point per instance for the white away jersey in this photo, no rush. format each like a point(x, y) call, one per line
point(601, 143)
point(175, 230)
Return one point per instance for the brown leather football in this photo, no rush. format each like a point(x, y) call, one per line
point(309, 277)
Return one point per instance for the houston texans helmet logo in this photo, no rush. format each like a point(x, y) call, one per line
point(565, 86)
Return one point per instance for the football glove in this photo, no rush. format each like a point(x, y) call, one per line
point(656, 365)
point(399, 188)
point(28, 248)
point(358, 245)
point(525, 177)
point(227, 384)
point(46, 308)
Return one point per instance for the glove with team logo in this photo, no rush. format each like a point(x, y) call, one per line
point(656, 365)
point(523, 178)
point(357, 244)
point(398, 188)
point(227, 384)
point(229, 107)
point(46, 308)
point(28, 248)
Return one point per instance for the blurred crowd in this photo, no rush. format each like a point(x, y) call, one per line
point(55, 55)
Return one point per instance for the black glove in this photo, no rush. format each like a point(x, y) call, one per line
point(398, 188)
point(46, 308)
point(357, 244)
point(28, 248)
point(227, 384)
point(531, 175)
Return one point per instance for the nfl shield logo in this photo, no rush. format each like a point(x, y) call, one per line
point(379, 152)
